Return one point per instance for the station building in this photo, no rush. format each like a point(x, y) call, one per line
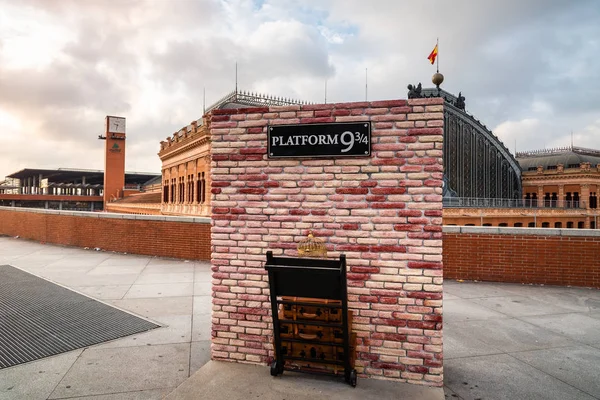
point(64, 189)
point(185, 156)
point(560, 190)
point(484, 183)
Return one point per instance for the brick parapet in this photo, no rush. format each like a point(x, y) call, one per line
point(383, 212)
point(154, 235)
point(565, 257)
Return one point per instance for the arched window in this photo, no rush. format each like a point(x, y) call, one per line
point(558, 224)
point(518, 225)
point(166, 191)
point(201, 188)
point(570, 224)
point(545, 224)
point(502, 224)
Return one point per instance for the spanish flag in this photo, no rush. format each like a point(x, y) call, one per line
point(433, 54)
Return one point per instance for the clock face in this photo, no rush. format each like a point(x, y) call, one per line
point(116, 125)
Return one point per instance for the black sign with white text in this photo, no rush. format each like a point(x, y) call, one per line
point(333, 140)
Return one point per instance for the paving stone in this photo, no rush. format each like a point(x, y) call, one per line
point(202, 288)
point(517, 306)
point(579, 327)
point(202, 305)
point(154, 394)
point(150, 278)
point(200, 355)
point(470, 290)
point(458, 343)
point(160, 290)
point(129, 260)
point(504, 335)
point(37, 379)
point(501, 376)
point(201, 327)
point(579, 366)
point(103, 269)
point(463, 310)
point(106, 292)
point(117, 370)
point(152, 307)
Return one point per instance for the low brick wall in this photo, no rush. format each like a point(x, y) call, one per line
point(565, 257)
point(162, 236)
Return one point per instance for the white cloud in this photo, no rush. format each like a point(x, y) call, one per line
point(73, 62)
point(526, 133)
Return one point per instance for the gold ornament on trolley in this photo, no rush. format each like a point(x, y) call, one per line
point(312, 247)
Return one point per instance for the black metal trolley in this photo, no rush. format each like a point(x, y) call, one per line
point(316, 279)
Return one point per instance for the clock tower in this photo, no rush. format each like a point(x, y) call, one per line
point(114, 158)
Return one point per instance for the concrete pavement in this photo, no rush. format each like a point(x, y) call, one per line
point(173, 293)
point(511, 341)
point(501, 341)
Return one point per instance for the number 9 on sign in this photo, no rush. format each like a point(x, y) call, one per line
point(347, 139)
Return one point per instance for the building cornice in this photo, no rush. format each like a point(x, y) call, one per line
point(184, 146)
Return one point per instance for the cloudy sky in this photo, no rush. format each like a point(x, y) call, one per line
point(528, 68)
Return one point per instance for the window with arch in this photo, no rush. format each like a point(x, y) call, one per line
point(201, 183)
point(166, 191)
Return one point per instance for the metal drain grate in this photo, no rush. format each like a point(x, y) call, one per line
point(40, 319)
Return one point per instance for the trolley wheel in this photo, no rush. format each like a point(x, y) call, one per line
point(353, 378)
point(274, 369)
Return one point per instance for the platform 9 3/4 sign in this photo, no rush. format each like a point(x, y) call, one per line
point(319, 140)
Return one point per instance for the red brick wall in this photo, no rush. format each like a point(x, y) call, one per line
point(169, 237)
point(524, 258)
point(384, 212)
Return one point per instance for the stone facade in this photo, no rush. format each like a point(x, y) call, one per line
point(186, 171)
point(556, 194)
point(384, 213)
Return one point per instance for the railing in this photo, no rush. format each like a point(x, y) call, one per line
point(254, 99)
point(472, 202)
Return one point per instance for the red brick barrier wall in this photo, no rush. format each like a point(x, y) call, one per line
point(177, 237)
point(384, 212)
point(524, 257)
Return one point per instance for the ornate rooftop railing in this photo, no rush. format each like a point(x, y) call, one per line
point(253, 99)
point(556, 150)
point(471, 202)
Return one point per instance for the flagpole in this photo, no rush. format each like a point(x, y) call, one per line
point(437, 58)
point(366, 83)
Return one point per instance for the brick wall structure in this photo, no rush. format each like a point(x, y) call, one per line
point(565, 257)
point(383, 212)
point(162, 236)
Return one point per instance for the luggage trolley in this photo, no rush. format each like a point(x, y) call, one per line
point(300, 284)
